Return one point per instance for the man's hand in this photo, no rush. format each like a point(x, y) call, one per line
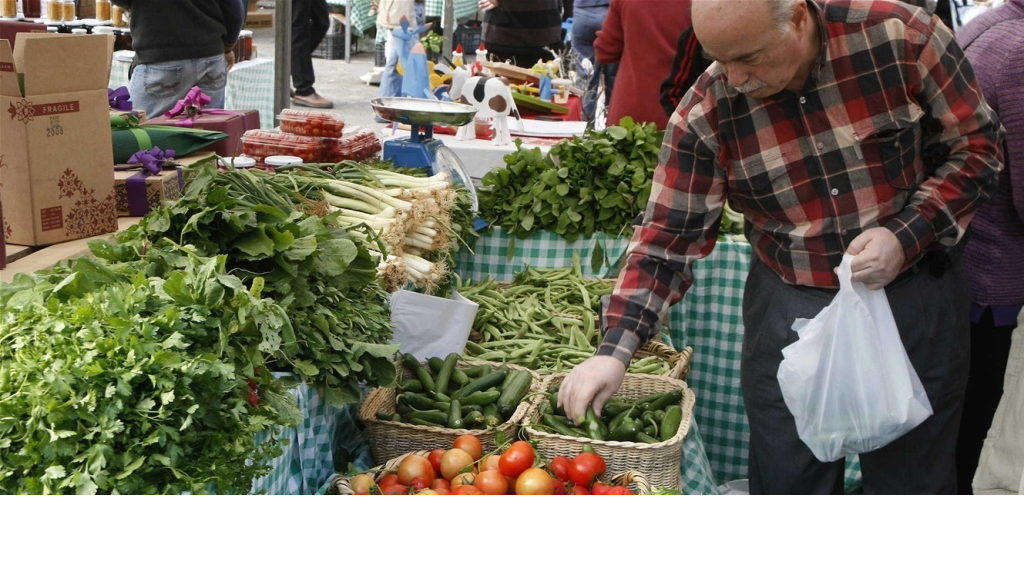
point(878, 258)
point(592, 381)
point(229, 56)
point(486, 5)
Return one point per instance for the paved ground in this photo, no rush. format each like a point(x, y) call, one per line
point(336, 79)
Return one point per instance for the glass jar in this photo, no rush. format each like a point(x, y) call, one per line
point(54, 10)
point(117, 16)
point(8, 8)
point(126, 38)
point(68, 14)
point(103, 10)
point(32, 8)
point(245, 38)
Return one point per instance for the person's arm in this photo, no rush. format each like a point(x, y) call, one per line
point(609, 43)
point(234, 19)
point(687, 66)
point(1011, 113)
point(961, 134)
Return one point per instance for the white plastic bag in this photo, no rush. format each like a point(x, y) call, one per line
point(431, 327)
point(847, 380)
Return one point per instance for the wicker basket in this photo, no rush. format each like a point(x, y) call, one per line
point(341, 485)
point(390, 439)
point(660, 462)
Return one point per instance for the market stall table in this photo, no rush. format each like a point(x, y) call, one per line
point(250, 86)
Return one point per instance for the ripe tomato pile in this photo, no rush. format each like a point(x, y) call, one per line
point(464, 469)
point(311, 123)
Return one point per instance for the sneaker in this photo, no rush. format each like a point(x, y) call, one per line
point(313, 100)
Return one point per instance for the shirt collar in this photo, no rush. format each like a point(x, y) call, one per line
point(822, 38)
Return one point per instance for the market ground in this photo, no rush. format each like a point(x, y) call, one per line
point(336, 79)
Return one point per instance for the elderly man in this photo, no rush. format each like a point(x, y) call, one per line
point(841, 127)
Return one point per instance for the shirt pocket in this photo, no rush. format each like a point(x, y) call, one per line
point(892, 151)
point(162, 80)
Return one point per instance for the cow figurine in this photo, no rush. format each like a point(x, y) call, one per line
point(492, 98)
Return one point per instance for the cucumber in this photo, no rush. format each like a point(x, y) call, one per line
point(455, 415)
point(482, 398)
point(415, 401)
point(444, 374)
point(670, 423)
point(434, 416)
point(435, 365)
point(513, 391)
point(482, 383)
point(669, 399)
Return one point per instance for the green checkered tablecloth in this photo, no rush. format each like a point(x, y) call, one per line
point(309, 458)
point(250, 87)
point(709, 319)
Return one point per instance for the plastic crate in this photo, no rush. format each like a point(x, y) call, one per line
point(468, 35)
point(332, 47)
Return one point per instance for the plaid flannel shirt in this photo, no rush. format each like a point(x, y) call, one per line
point(890, 130)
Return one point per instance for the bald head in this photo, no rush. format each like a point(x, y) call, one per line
point(757, 42)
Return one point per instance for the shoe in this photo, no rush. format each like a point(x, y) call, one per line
point(313, 100)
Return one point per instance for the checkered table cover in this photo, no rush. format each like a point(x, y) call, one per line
point(308, 459)
point(709, 319)
point(250, 87)
point(359, 12)
point(464, 10)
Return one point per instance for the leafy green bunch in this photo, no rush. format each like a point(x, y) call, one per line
point(595, 183)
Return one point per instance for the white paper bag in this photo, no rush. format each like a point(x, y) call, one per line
point(847, 380)
point(431, 327)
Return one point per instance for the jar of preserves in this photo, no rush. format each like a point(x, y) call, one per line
point(118, 17)
point(103, 10)
point(245, 38)
point(55, 10)
point(8, 8)
point(126, 37)
point(68, 13)
point(31, 8)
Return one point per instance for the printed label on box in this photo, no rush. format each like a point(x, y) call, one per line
point(51, 218)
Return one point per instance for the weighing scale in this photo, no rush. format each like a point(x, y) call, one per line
point(421, 149)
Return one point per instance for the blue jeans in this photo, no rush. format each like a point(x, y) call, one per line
point(157, 87)
point(390, 80)
point(585, 24)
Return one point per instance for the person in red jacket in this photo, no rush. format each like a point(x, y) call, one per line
point(641, 38)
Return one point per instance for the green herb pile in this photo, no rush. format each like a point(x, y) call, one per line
point(597, 183)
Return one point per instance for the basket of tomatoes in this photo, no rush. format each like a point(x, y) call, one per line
point(465, 469)
point(440, 399)
point(641, 428)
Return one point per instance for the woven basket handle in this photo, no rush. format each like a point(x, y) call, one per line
point(342, 485)
point(643, 485)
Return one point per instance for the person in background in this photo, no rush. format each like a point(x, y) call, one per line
point(687, 66)
point(588, 16)
point(179, 45)
point(640, 37)
point(389, 19)
point(311, 19)
point(826, 154)
point(994, 43)
point(522, 31)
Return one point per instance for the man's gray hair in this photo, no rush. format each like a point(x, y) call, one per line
point(782, 13)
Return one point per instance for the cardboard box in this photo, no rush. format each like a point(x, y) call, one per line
point(57, 175)
point(234, 125)
point(258, 19)
point(137, 193)
point(252, 6)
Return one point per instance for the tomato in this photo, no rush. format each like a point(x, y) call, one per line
point(435, 459)
point(535, 482)
point(560, 467)
point(585, 467)
point(516, 459)
point(442, 491)
point(388, 481)
point(413, 466)
point(559, 488)
point(395, 490)
point(620, 491)
point(463, 479)
point(490, 463)
point(454, 461)
point(511, 484)
point(470, 444)
point(579, 491)
point(599, 489)
point(440, 483)
point(426, 492)
point(361, 484)
point(467, 490)
point(419, 483)
point(492, 482)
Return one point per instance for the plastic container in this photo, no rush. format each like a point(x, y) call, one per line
point(359, 144)
point(79, 31)
point(282, 160)
point(259, 144)
point(237, 162)
point(311, 123)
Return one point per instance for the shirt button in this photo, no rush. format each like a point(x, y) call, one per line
point(844, 231)
point(821, 145)
point(835, 191)
point(803, 100)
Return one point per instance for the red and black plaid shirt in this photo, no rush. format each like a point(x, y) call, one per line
point(891, 130)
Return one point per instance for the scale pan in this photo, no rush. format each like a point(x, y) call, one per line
point(423, 112)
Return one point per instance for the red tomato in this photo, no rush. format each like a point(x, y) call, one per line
point(471, 444)
point(464, 478)
point(559, 488)
point(620, 491)
point(442, 491)
point(535, 482)
point(395, 490)
point(435, 459)
point(560, 467)
point(413, 466)
point(585, 467)
point(419, 483)
point(467, 490)
point(492, 482)
point(361, 484)
point(579, 491)
point(516, 459)
point(440, 483)
point(388, 480)
point(599, 489)
point(490, 463)
point(454, 461)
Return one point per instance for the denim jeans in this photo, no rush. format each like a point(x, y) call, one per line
point(157, 87)
point(390, 80)
point(585, 24)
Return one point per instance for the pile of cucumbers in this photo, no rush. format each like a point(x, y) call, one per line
point(652, 419)
point(440, 394)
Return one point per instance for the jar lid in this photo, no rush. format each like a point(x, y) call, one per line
point(281, 160)
point(79, 31)
point(238, 162)
point(103, 30)
point(245, 33)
